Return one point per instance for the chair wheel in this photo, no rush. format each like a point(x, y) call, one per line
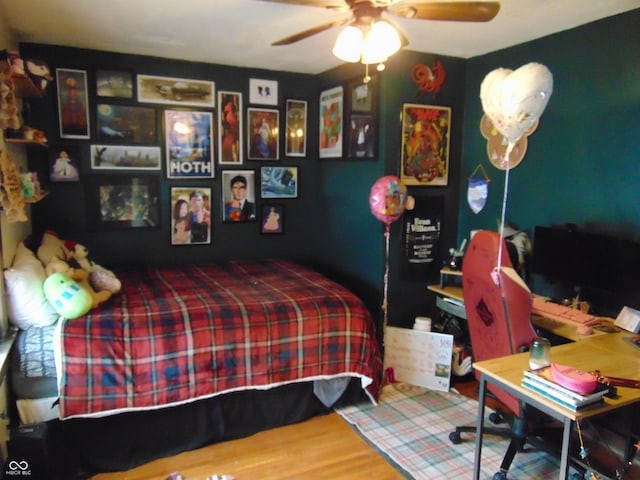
point(500, 476)
point(496, 418)
point(455, 438)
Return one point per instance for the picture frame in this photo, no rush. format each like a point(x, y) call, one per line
point(176, 91)
point(263, 92)
point(238, 196)
point(73, 103)
point(263, 139)
point(64, 163)
point(295, 131)
point(189, 151)
point(230, 151)
point(361, 120)
point(122, 202)
point(112, 83)
point(191, 215)
point(272, 219)
point(125, 157)
point(426, 132)
point(279, 182)
point(126, 124)
point(331, 122)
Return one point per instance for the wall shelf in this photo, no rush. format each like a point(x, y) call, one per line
point(24, 86)
point(22, 141)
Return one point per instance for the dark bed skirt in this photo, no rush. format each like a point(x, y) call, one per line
point(80, 448)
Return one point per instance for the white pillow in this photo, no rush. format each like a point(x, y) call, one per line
point(26, 304)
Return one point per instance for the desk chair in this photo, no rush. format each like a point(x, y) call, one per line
point(499, 321)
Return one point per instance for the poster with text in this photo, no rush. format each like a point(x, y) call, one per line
point(188, 138)
point(331, 118)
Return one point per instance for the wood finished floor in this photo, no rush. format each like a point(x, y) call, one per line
point(324, 447)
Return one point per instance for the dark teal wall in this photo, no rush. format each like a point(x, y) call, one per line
point(582, 165)
point(354, 239)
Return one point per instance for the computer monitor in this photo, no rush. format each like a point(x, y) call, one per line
point(602, 266)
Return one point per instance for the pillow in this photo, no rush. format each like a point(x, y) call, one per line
point(24, 284)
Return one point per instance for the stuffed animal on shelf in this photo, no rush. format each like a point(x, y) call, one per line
point(99, 277)
point(39, 72)
point(57, 265)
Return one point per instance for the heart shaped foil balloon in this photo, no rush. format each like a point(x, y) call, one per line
point(515, 99)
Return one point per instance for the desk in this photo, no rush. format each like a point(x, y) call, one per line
point(557, 328)
point(608, 353)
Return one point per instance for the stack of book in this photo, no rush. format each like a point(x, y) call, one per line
point(541, 381)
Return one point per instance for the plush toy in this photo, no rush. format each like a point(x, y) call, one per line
point(67, 297)
point(51, 246)
point(99, 277)
point(57, 265)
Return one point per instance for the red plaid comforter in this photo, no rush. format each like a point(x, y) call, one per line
point(176, 335)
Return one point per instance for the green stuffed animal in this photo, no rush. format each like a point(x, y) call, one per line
point(67, 297)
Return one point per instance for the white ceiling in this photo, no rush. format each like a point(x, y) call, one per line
point(240, 32)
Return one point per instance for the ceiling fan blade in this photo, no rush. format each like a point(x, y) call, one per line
point(329, 4)
point(312, 31)
point(451, 11)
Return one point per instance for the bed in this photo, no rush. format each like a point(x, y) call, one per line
point(187, 356)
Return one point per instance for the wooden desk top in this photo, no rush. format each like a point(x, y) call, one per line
point(610, 354)
point(558, 328)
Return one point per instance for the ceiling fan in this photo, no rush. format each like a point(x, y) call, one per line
point(365, 13)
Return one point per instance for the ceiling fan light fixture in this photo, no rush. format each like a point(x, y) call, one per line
point(348, 46)
point(380, 43)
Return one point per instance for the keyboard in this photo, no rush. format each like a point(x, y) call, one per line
point(562, 313)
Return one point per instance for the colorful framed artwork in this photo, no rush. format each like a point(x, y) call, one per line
point(295, 131)
point(189, 150)
point(361, 127)
point(279, 182)
point(73, 103)
point(190, 215)
point(331, 119)
point(263, 141)
point(64, 164)
point(126, 124)
point(263, 92)
point(272, 220)
point(229, 128)
point(426, 132)
point(176, 91)
point(125, 157)
point(114, 83)
point(116, 202)
point(238, 196)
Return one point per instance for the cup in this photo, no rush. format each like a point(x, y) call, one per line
point(422, 323)
point(540, 353)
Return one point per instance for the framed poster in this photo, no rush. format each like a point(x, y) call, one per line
point(426, 131)
point(279, 182)
point(229, 128)
point(263, 140)
point(126, 124)
point(361, 127)
point(331, 118)
point(64, 164)
point(122, 202)
point(189, 150)
point(263, 92)
point(125, 157)
point(295, 131)
point(272, 218)
point(190, 215)
point(238, 196)
point(114, 83)
point(73, 103)
point(176, 91)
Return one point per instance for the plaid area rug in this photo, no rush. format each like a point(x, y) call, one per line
point(410, 426)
